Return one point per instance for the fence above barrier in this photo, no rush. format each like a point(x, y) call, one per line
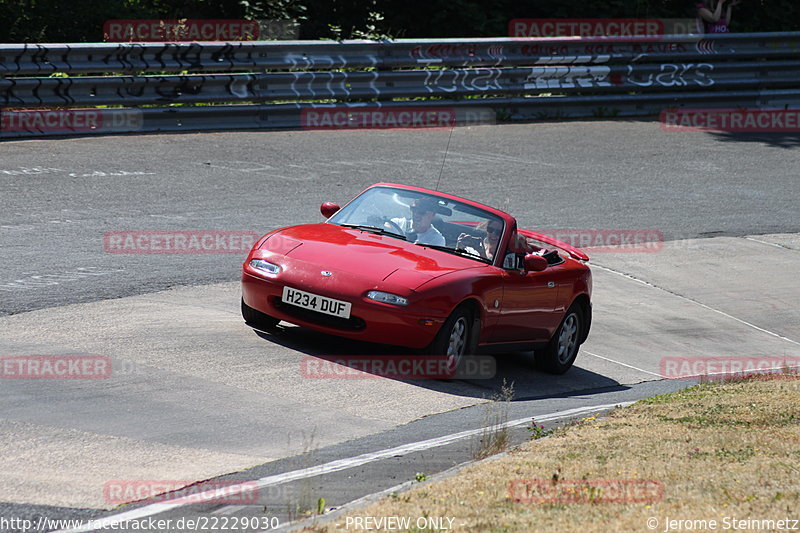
point(515, 78)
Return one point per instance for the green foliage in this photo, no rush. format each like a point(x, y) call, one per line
point(274, 10)
point(30, 21)
point(537, 431)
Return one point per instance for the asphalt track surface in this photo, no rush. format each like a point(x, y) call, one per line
point(59, 197)
point(199, 395)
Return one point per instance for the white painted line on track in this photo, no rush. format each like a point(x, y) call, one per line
point(723, 313)
point(776, 245)
point(624, 364)
point(335, 513)
point(108, 522)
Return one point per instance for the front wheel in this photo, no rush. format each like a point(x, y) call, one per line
point(453, 340)
point(562, 349)
point(256, 319)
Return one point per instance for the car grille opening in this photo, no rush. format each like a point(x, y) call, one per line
point(353, 323)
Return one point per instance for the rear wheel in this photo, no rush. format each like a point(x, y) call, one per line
point(454, 339)
point(257, 319)
point(562, 349)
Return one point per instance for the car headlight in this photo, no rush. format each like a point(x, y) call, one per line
point(265, 266)
point(387, 298)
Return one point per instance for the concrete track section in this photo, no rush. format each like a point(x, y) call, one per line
point(194, 394)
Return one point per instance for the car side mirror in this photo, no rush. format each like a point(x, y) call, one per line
point(534, 263)
point(328, 209)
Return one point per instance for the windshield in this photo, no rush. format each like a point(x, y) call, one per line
point(426, 220)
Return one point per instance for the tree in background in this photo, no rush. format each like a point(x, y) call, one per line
point(49, 21)
point(82, 21)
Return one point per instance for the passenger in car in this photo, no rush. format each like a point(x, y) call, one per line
point(518, 247)
point(491, 230)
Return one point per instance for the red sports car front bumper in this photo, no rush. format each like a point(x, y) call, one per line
point(369, 321)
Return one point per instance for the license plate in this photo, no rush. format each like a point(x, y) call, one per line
point(315, 302)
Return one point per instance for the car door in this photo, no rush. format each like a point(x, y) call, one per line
point(527, 309)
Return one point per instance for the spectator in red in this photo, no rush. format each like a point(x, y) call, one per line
point(710, 16)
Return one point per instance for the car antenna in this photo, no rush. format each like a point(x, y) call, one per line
point(445, 157)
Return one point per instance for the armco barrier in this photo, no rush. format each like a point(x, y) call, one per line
point(269, 84)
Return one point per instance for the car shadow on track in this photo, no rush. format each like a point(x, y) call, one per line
point(777, 139)
point(514, 369)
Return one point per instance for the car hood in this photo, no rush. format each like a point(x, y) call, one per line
point(377, 257)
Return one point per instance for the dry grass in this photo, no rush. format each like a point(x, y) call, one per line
point(719, 450)
point(495, 437)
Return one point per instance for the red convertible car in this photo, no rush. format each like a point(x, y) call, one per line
point(422, 269)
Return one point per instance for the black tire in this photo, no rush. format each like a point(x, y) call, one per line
point(454, 340)
point(563, 348)
point(257, 319)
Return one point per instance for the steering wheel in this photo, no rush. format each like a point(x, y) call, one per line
point(391, 226)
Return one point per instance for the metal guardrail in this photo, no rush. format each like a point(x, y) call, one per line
point(141, 90)
point(509, 78)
